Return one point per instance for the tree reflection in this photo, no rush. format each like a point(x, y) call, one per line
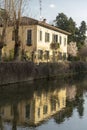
point(41, 101)
point(60, 117)
point(15, 116)
point(1, 123)
point(80, 108)
point(76, 103)
point(80, 101)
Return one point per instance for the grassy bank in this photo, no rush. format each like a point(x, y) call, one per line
point(13, 72)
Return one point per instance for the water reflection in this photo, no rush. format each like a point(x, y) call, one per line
point(43, 104)
point(32, 104)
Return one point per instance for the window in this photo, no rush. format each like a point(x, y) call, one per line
point(40, 54)
point(47, 37)
point(60, 56)
point(40, 35)
point(55, 38)
point(58, 103)
point(64, 56)
point(53, 105)
point(38, 112)
point(29, 37)
point(27, 108)
point(46, 55)
point(60, 40)
point(45, 109)
point(64, 41)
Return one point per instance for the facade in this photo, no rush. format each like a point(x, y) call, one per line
point(37, 40)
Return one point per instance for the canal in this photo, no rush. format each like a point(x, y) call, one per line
point(44, 105)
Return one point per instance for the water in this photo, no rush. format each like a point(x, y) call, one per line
point(44, 105)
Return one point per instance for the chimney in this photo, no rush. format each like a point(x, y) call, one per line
point(44, 20)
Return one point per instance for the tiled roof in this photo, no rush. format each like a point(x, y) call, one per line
point(28, 21)
point(31, 21)
point(53, 28)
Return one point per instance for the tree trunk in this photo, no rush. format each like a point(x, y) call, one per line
point(15, 119)
point(17, 52)
point(0, 54)
point(17, 42)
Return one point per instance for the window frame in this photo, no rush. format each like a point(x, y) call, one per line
point(47, 37)
point(40, 35)
point(29, 37)
point(60, 39)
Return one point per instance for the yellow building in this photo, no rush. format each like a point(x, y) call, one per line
point(36, 39)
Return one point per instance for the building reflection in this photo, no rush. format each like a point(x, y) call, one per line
point(42, 106)
point(34, 104)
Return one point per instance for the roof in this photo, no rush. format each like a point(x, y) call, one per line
point(28, 21)
point(53, 28)
point(31, 21)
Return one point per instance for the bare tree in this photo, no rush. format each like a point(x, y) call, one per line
point(17, 6)
point(10, 14)
point(4, 20)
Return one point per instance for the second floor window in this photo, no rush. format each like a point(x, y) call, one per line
point(60, 40)
point(55, 38)
point(40, 36)
point(29, 37)
point(47, 37)
point(64, 41)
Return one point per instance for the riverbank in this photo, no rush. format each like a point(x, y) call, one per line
point(14, 72)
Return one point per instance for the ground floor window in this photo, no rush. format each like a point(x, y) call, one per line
point(27, 111)
point(64, 56)
point(40, 54)
point(38, 112)
point(46, 55)
point(60, 56)
point(45, 109)
point(53, 105)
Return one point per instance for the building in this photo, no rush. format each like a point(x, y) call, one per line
point(39, 40)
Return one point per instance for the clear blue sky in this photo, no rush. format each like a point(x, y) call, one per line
point(77, 9)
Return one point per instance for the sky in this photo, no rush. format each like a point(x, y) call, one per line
point(77, 9)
